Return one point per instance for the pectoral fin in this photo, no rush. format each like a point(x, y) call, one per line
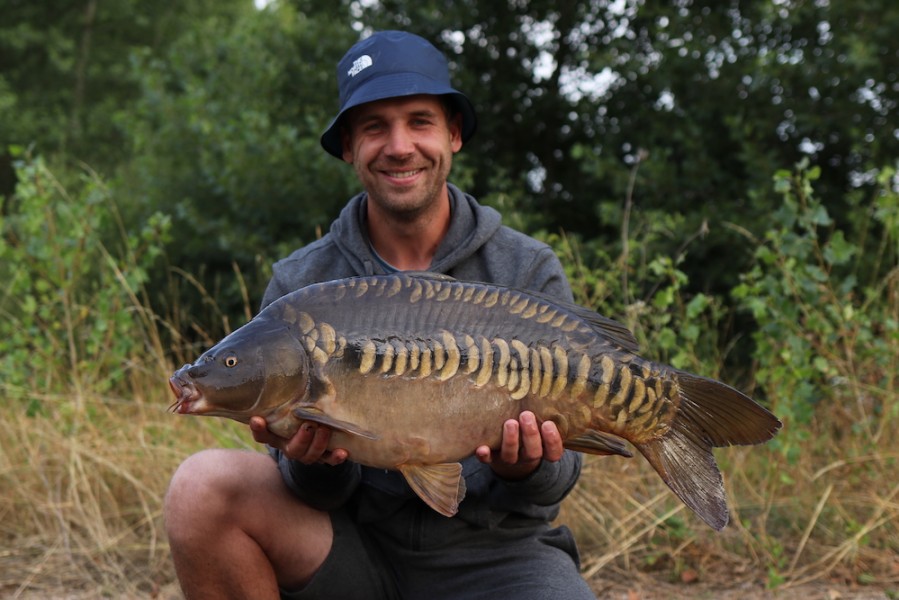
point(316, 416)
point(440, 486)
point(598, 442)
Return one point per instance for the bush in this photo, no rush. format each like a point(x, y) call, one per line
point(825, 302)
point(73, 315)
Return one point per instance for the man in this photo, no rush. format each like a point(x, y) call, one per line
point(313, 524)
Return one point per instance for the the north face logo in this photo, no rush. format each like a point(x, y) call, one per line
point(361, 63)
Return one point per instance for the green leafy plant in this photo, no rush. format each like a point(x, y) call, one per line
point(72, 311)
point(825, 307)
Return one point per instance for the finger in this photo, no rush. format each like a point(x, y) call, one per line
point(531, 441)
point(317, 450)
point(259, 429)
point(552, 442)
point(511, 442)
point(336, 456)
point(298, 446)
point(319, 444)
point(484, 454)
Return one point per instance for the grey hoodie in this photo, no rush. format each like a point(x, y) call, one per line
point(477, 247)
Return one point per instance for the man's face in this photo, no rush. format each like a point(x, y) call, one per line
point(402, 150)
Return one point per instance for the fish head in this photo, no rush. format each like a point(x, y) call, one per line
point(258, 370)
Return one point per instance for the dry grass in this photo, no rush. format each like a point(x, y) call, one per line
point(81, 496)
point(81, 493)
point(826, 528)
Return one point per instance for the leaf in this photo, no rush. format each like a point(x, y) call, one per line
point(838, 250)
point(697, 305)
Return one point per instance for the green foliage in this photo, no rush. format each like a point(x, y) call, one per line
point(648, 293)
point(211, 112)
point(638, 282)
point(826, 322)
point(710, 98)
point(821, 299)
point(226, 141)
point(65, 70)
point(71, 309)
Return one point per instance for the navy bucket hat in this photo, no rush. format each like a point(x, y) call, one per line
point(390, 64)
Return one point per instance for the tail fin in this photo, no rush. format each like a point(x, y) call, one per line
point(726, 416)
point(711, 414)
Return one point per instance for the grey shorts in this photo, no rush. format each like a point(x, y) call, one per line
point(430, 557)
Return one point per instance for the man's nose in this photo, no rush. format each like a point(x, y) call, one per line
point(400, 142)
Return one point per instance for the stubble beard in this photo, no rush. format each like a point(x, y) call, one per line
point(410, 205)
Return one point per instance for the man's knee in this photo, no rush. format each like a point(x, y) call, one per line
point(207, 485)
point(198, 474)
point(236, 500)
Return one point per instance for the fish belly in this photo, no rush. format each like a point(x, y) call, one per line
point(416, 421)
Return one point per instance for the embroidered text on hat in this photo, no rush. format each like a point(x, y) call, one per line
point(363, 62)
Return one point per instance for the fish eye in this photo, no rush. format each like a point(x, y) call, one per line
point(230, 361)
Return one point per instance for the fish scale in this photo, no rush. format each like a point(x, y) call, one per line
point(450, 301)
point(414, 371)
point(514, 365)
point(624, 404)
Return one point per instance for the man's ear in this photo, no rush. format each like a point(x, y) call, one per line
point(455, 129)
point(346, 145)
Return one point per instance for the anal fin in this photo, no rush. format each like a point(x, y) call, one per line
point(440, 486)
point(598, 442)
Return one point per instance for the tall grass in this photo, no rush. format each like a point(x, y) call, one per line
point(87, 447)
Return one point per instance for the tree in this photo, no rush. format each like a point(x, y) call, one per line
point(658, 122)
point(66, 70)
point(226, 140)
point(702, 100)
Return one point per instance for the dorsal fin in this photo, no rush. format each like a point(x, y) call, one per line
point(609, 329)
point(615, 332)
point(427, 275)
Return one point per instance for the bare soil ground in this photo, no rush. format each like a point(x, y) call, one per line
point(640, 586)
point(610, 584)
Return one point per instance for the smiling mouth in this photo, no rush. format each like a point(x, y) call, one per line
point(402, 174)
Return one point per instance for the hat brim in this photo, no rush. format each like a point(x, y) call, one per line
point(396, 85)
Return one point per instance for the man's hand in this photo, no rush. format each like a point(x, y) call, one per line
point(523, 446)
point(309, 445)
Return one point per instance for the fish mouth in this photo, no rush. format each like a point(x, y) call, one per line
point(186, 395)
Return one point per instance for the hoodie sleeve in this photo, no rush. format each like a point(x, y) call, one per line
point(545, 487)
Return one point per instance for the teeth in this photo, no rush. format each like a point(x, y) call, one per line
point(403, 174)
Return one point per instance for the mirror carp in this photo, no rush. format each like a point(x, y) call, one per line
point(414, 371)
